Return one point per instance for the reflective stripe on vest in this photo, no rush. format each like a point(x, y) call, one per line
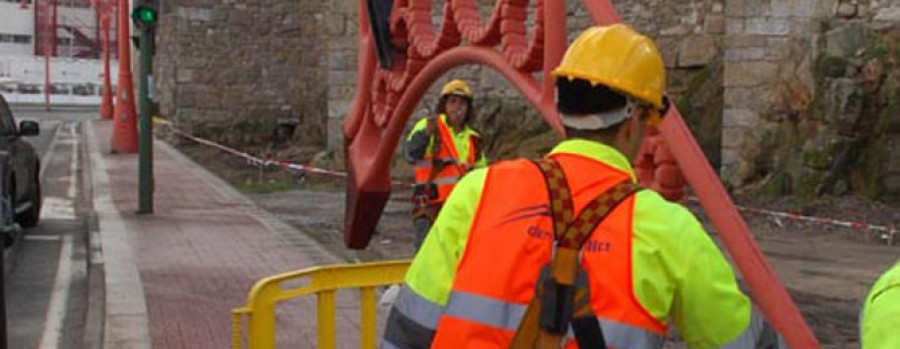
point(418, 309)
point(506, 316)
point(442, 181)
point(453, 168)
point(511, 239)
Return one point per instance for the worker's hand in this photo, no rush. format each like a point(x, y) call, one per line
point(431, 125)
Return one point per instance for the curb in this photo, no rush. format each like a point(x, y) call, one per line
point(123, 315)
point(96, 308)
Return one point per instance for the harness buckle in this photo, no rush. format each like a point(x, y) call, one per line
point(556, 303)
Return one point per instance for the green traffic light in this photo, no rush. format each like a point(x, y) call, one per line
point(145, 15)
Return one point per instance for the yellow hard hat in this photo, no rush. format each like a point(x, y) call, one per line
point(457, 88)
point(618, 57)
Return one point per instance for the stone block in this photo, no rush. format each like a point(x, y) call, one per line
point(888, 14)
point(717, 7)
point(341, 92)
point(715, 25)
point(733, 137)
point(335, 132)
point(668, 48)
point(676, 30)
point(341, 78)
point(339, 60)
point(193, 14)
point(845, 10)
point(339, 108)
point(767, 26)
point(749, 74)
point(745, 54)
point(744, 40)
point(734, 8)
point(212, 101)
point(739, 118)
point(734, 26)
point(757, 99)
point(184, 75)
point(758, 8)
point(697, 50)
point(813, 8)
point(336, 24)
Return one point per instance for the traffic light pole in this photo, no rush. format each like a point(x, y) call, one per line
point(145, 145)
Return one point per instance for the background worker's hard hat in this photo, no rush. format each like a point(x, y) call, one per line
point(457, 88)
point(618, 57)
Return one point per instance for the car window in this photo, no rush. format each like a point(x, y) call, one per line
point(7, 124)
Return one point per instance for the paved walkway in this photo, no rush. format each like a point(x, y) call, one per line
point(172, 278)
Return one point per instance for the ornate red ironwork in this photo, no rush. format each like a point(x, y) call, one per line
point(502, 42)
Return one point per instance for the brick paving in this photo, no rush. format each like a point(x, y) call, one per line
point(200, 252)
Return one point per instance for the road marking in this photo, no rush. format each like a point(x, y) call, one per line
point(74, 164)
point(56, 312)
point(58, 208)
point(49, 153)
point(42, 237)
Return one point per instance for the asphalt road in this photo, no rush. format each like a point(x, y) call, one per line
point(46, 286)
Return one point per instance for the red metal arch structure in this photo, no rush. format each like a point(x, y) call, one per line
point(385, 99)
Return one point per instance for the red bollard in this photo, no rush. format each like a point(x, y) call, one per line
point(124, 137)
point(106, 105)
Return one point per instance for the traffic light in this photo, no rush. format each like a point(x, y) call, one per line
point(145, 13)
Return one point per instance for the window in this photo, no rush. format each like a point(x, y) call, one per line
point(15, 38)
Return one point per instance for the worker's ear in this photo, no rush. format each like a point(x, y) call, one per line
point(656, 115)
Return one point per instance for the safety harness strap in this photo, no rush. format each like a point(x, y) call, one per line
point(562, 295)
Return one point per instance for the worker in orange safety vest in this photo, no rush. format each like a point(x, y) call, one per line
point(443, 148)
point(566, 250)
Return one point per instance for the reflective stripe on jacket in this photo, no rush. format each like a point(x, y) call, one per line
point(663, 265)
point(457, 154)
point(881, 312)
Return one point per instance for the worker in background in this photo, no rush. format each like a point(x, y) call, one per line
point(880, 318)
point(539, 254)
point(443, 148)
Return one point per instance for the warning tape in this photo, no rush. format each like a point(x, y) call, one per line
point(256, 161)
point(889, 232)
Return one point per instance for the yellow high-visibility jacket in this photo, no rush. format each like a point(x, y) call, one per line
point(678, 274)
point(881, 313)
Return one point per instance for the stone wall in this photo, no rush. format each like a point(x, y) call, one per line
point(769, 87)
point(341, 45)
point(244, 72)
point(810, 97)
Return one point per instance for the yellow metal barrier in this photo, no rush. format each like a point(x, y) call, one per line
point(323, 281)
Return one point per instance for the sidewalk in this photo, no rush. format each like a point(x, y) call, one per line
point(172, 278)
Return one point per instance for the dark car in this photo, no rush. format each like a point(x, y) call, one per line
point(23, 183)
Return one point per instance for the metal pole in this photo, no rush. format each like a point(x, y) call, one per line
point(145, 145)
point(48, 37)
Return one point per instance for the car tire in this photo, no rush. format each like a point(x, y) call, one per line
point(29, 218)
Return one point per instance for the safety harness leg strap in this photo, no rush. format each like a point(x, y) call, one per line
point(562, 293)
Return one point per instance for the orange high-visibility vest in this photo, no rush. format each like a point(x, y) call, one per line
point(511, 240)
point(453, 167)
